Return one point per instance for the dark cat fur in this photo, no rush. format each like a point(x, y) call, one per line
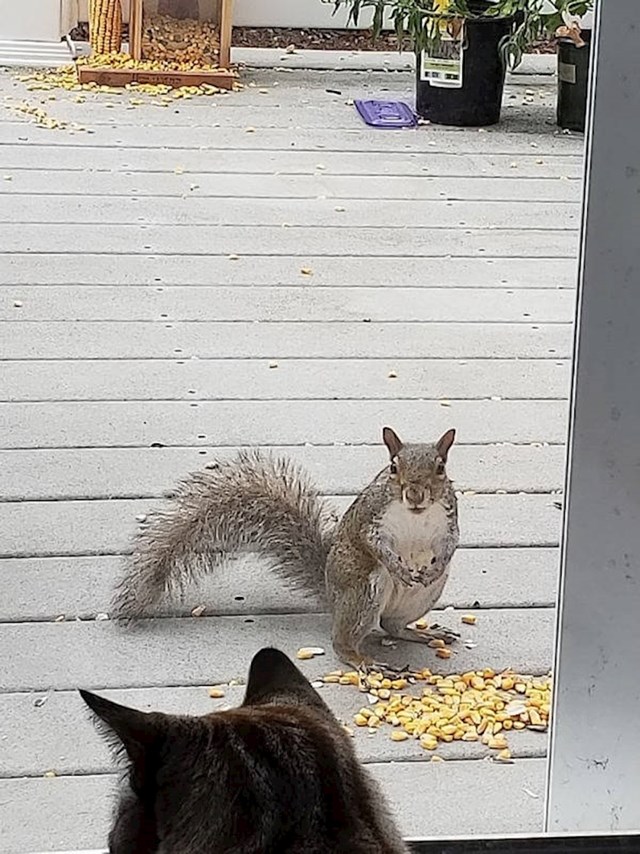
point(277, 775)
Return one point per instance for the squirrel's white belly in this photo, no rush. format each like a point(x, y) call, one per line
point(414, 534)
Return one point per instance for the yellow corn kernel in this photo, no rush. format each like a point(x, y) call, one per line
point(534, 717)
point(497, 742)
point(469, 619)
point(436, 643)
point(443, 653)
point(504, 756)
point(398, 735)
point(477, 682)
point(360, 720)
point(428, 742)
point(216, 693)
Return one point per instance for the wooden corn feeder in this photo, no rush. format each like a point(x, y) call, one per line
point(185, 42)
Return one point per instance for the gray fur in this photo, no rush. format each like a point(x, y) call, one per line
point(252, 501)
point(383, 565)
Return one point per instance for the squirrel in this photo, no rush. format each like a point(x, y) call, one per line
point(383, 565)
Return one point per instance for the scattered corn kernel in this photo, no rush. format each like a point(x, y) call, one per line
point(444, 653)
point(504, 756)
point(306, 652)
point(399, 735)
point(436, 643)
point(428, 742)
point(475, 706)
point(216, 693)
point(469, 619)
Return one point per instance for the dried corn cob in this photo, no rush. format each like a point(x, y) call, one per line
point(105, 26)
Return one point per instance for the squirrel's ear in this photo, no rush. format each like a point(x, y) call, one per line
point(392, 441)
point(444, 443)
point(274, 678)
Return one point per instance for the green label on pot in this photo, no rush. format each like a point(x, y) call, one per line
point(567, 72)
point(442, 60)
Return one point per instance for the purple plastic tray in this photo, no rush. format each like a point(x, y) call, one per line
point(386, 114)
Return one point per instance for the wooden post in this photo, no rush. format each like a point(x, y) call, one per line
point(226, 28)
point(135, 29)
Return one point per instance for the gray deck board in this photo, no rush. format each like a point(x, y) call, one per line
point(273, 340)
point(300, 241)
point(312, 303)
point(74, 812)
point(78, 750)
point(295, 213)
point(341, 470)
point(44, 588)
point(152, 292)
point(105, 526)
point(58, 267)
point(248, 422)
point(210, 650)
point(192, 161)
point(57, 182)
point(228, 379)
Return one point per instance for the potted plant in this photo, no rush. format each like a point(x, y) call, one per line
point(462, 47)
point(570, 21)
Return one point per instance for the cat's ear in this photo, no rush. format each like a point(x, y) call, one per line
point(137, 732)
point(274, 678)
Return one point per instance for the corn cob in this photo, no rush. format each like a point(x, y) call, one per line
point(105, 26)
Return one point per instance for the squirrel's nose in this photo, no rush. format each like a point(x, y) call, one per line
point(414, 495)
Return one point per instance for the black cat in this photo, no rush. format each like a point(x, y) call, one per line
point(277, 775)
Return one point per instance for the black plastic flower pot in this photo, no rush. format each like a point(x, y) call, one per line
point(478, 101)
point(573, 82)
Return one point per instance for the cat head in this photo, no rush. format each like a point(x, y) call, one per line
point(227, 774)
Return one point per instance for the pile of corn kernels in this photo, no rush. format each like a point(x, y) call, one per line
point(479, 705)
point(67, 78)
point(174, 44)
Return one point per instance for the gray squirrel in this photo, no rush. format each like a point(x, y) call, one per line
point(382, 566)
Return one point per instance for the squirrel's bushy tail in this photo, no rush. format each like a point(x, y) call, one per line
point(252, 502)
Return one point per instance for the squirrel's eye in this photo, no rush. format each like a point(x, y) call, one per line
point(393, 468)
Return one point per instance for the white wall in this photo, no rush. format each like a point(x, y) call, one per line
point(266, 13)
point(36, 20)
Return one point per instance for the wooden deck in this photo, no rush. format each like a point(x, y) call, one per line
point(154, 315)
